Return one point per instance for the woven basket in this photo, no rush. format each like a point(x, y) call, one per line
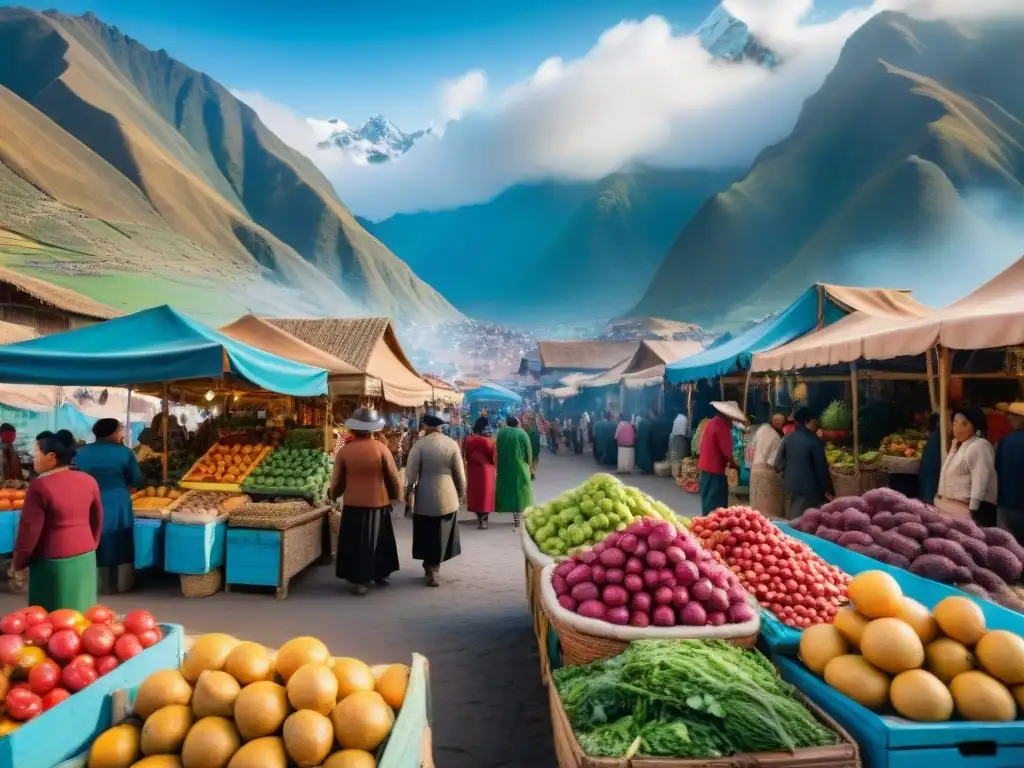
point(768, 492)
point(203, 584)
point(901, 465)
point(662, 469)
point(278, 521)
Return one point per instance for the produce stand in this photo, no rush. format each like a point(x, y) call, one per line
point(843, 755)
point(268, 544)
point(534, 562)
point(69, 728)
point(213, 460)
point(149, 543)
point(8, 530)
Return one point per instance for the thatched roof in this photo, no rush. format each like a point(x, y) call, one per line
point(585, 355)
point(12, 333)
point(350, 339)
point(58, 297)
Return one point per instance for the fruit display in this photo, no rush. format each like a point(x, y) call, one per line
point(291, 470)
point(228, 463)
point(695, 699)
point(887, 651)
point(203, 506)
point(906, 444)
point(47, 657)
point(587, 514)
point(841, 458)
point(836, 421)
point(155, 497)
point(906, 533)
point(784, 574)
point(651, 574)
point(236, 704)
point(11, 499)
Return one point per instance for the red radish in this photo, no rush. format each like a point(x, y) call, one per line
point(564, 569)
point(652, 579)
point(557, 583)
point(701, 590)
point(613, 558)
point(614, 596)
point(641, 549)
point(663, 616)
point(139, 621)
point(617, 615)
point(588, 557)
point(680, 597)
point(640, 601)
point(674, 555)
point(656, 559)
point(578, 574)
point(598, 573)
point(585, 590)
point(591, 609)
point(718, 601)
point(614, 575)
point(686, 573)
point(634, 565)
point(628, 543)
point(633, 582)
point(690, 548)
point(716, 618)
point(740, 613)
point(567, 602)
point(661, 536)
point(612, 539)
point(639, 619)
point(663, 596)
point(693, 615)
point(736, 594)
point(667, 578)
point(598, 548)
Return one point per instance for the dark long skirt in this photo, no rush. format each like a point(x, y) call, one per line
point(714, 492)
point(435, 539)
point(986, 515)
point(367, 550)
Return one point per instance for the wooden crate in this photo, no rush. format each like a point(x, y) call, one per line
point(569, 755)
point(263, 557)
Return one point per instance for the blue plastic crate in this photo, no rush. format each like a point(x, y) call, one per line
point(149, 543)
point(887, 741)
point(194, 549)
point(69, 728)
point(8, 531)
point(253, 557)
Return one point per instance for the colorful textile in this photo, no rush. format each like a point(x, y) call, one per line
point(481, 464)
point(514, 491)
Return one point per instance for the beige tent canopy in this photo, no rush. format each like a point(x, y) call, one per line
point(12, 333)
point(843, 341)
point(343, 378)
point(646, 365)
point(370, 344)
point(584, 356)
point(608, 378)
point(443, 392)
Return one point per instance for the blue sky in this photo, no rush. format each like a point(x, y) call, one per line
point(351, 59)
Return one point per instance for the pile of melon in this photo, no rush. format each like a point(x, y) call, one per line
point(238, 705)
point(887, 649)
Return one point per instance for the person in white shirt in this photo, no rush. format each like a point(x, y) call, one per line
point(767, 491)
point(584, 425)
point(679, 440)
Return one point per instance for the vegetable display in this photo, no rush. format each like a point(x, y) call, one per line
point(291, 470)
point(651, 574)
point(227, 463)
point(906, 533)
point(587, 514)
point(785, 575)
point(836, 420)
point(685, 699)
point(907, 444)
point(237, 704)
point(47, 657)
point(841, 458)
point(887, 651)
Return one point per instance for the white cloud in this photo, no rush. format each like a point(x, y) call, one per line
point(462, 94)
point(643, 93)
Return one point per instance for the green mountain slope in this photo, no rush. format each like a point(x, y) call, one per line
point(875, 179)
point(203, 166)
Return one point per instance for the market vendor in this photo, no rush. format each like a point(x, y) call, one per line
point(967, 483)
point(1010, 472)
point(116, 471)
point(767, 491)
point(716, 456)
point(10, 463)
point(802, 463)
point(60, 528)
point(153, 435)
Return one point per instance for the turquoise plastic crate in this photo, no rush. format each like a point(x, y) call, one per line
point(8, 531)
point(194, 549)
point(253, 557)
point(891, 742)
point(69, 728)
point(149, 543)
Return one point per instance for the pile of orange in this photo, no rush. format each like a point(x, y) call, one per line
point(11, 499)
point(227, 463)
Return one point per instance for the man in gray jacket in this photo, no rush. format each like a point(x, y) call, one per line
point(436, 475)
point(802, 463)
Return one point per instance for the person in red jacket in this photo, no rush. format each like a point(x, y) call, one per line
point(59, 530)
point(716, 456)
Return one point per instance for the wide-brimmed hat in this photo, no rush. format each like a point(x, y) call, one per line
point(1016, 408)
point(729, 409)
point(365, 420)
point(433, 420)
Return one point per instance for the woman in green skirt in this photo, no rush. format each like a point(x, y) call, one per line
point(59, 530)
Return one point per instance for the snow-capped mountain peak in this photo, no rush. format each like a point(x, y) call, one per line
point(726, 37)
point(375, 141)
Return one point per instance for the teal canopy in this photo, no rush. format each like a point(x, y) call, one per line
point(152, 346)
point(493, 393)
point(736, 353)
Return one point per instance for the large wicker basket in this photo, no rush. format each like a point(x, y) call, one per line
point(202, 584)
point(901, 465)
point(534, 563)
point(581, 647)
point(843, 755)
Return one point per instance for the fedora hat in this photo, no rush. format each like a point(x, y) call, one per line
point(365, 420)
point(1016, 408)
point(730, 410)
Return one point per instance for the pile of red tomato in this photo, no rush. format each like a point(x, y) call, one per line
point(46, 657)
point(784, 574)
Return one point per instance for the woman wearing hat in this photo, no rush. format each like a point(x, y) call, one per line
point(481, 456)
point(967, 482)
point(513, 492)
point(716, 456)
point(366, 479)
point(436, 472)
point(115, 469)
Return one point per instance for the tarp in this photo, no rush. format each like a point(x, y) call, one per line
point(584, 356)
point(819, 306)
point(443, 392)
point(988, 318)
point(343, 378)
point(608, 378)
point(489, 392)
point(841, 342)
point(152, 346)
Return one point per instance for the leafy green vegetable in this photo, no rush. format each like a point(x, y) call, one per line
point(687, 699)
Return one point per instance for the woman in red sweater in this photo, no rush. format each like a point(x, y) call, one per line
point(59, 530)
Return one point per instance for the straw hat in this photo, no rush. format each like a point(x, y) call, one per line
point(730, 409)
point(1017, 408)
point(365, 420)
